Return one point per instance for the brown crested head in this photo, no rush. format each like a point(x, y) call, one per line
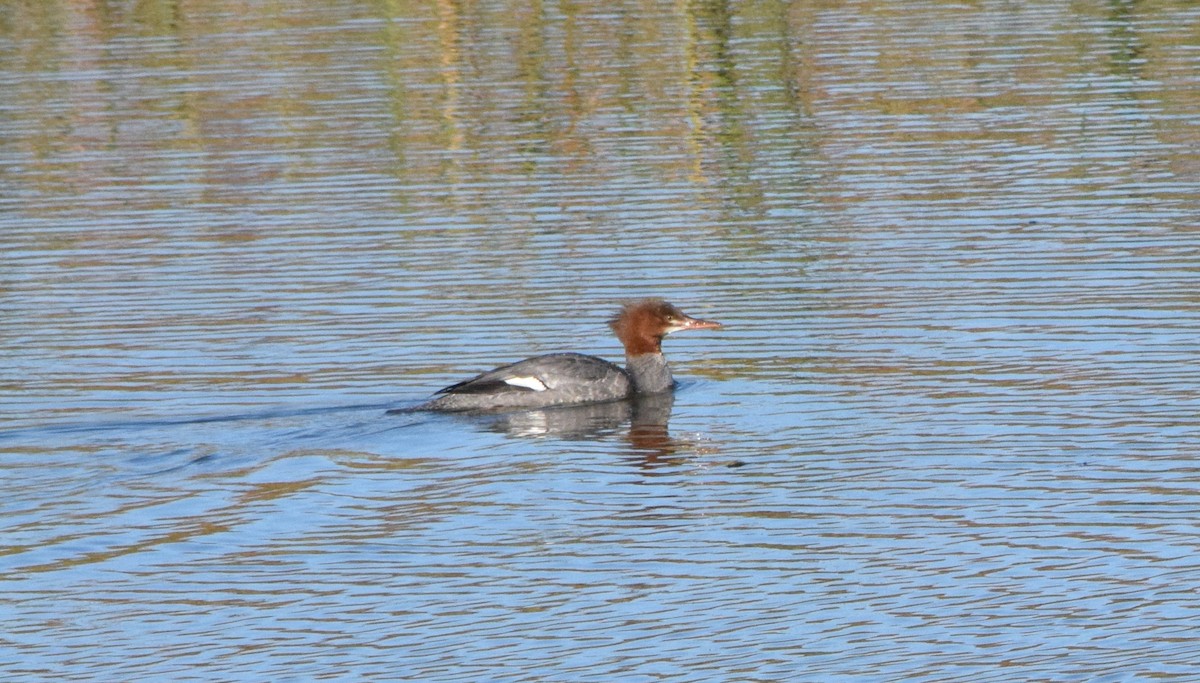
point(641, 325)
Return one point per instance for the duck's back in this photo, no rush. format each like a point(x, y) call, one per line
point(554, 379)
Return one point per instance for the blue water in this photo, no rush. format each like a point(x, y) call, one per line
point(947, 433)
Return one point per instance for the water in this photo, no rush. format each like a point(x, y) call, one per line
point(948, 432)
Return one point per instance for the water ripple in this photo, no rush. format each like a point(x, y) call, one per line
point(947, 433)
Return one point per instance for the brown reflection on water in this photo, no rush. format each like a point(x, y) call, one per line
point(478, 91)
point(465, 102)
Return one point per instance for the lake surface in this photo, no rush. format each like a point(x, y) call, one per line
point(949, 433)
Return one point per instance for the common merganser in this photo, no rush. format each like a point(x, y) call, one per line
point(573, 378)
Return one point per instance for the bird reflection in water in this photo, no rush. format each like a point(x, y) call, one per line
point(647, 417)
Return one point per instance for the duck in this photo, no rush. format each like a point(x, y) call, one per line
point(562, 379)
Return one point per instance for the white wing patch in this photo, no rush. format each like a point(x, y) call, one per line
point(526, 382)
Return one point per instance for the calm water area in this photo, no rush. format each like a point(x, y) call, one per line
point(951, 431)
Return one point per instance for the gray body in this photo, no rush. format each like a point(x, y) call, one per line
point(555, 379)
